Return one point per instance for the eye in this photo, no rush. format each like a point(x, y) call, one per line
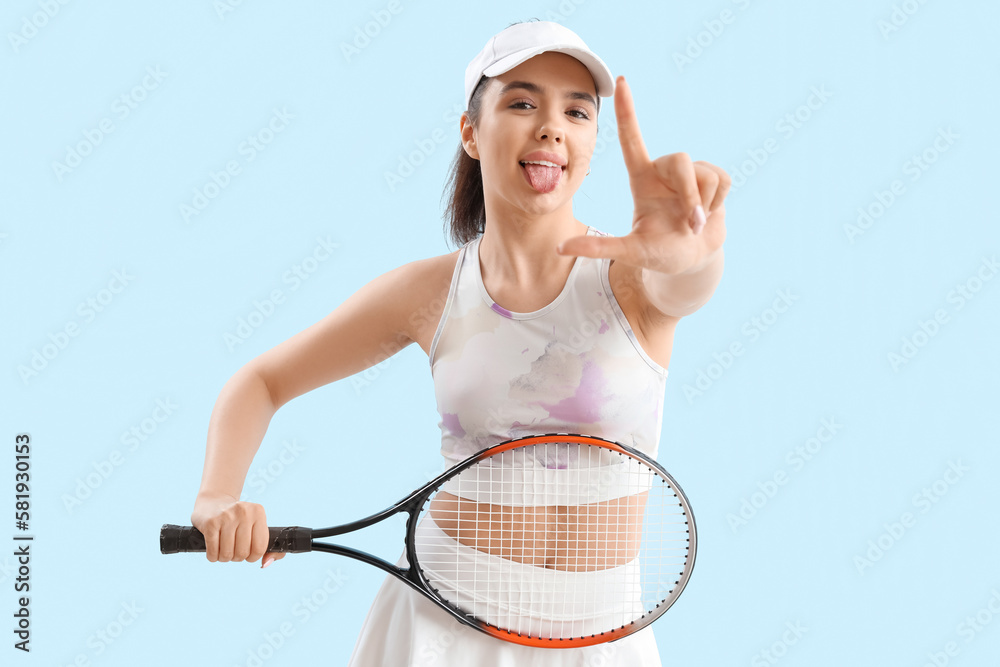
point(583, 115)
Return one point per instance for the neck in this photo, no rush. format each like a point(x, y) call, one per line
point(520, 249)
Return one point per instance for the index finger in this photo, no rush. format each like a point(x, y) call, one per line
point(633, 149)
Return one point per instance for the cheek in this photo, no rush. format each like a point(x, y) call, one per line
point(587, 144)
point(583, 159)
point(496, 168)
point(495, 158)
point(494, 149)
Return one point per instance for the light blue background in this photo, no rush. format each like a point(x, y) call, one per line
point(826, 357)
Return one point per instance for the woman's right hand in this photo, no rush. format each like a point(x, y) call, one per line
point(234, 530)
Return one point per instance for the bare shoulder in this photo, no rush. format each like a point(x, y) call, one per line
point(426, 283)
point(381, 318)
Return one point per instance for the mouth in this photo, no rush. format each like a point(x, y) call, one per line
point(544, 163)
point(542, 175)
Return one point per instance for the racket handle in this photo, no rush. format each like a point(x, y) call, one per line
point(288, 539)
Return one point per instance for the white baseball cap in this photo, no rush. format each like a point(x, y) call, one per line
point(512, 46)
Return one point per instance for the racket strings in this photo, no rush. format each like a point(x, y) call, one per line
point(555, 540)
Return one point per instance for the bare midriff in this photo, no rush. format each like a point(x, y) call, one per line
point(574, 538)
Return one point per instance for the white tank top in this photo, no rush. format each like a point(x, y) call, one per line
point(573, 366)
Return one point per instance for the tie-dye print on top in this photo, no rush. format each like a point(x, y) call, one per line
point(573, 366)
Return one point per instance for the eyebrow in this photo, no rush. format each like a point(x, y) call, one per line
point(534, 88)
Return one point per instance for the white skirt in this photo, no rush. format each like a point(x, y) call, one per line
point(403, 628)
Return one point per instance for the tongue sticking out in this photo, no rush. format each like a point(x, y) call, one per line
point(542, 178)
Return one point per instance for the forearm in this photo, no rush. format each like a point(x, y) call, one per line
point(239, 421)
point(684, 293)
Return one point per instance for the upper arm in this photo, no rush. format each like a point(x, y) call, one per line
point(371, 324)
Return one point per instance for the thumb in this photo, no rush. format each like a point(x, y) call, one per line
point(270, 557)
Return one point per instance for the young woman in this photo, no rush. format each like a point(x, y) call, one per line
point(537, 323)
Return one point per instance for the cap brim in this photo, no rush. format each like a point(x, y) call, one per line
point(598, 70)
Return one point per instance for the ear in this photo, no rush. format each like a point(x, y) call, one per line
point(468, 136)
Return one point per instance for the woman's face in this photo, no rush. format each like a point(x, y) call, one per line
point(555, 113)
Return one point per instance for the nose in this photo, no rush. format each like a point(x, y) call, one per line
point(549, 128)
point(544, 132)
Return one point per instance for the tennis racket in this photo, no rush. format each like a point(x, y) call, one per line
point(556, 540)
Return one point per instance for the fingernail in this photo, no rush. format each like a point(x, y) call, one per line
point(267, 562)
point(699, 218)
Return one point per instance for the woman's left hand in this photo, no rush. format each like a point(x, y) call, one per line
point(666, 234)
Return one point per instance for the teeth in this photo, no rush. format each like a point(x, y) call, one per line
point(543, 162)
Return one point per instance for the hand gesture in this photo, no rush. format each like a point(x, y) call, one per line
point(670, 231)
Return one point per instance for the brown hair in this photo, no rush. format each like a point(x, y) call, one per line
point(465, 216)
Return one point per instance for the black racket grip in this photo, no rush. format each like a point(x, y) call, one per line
point(288, 539)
